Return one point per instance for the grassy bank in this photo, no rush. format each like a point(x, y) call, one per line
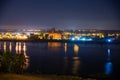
point(39, 77)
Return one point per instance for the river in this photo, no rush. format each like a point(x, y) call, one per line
point(67, 58)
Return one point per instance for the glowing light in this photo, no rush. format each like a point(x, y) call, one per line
point(21, 37)
point(4, 46)
point(10, 47)
point(65, 47)
point(26, 57)
point(78, 39)
point(108, 51)
point(24, 47)
point(108, 68)
point(90, 39)
point(54, 46)
point(86, 39)
point(108, 55)
point(76, 48)
point(108, 65)
point(83, 39)
point(73, 39)
point(19, 47)
point(109, 40)
point(16, 48)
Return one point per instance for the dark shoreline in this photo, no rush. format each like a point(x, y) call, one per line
point(68, 41)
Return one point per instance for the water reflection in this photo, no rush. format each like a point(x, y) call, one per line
point(65, 47)
point(20, 48)
point(54, 46)
point(65, 64)
point(108, 65)
point(65, 58)
point(16, 47)
point(75, 68)
point(10, 47)
point(4, 47)
point(26, 57)
point(65, 50)
point(76, 48)
point(24, 48)
point(76, 61)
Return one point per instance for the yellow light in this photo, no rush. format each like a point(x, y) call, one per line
point(26, 57)
point(10, 47)
point(4, 46)
point(54, 46)
point(19, 47)
point(76, 48)
point(16, 48)
point(65, 47)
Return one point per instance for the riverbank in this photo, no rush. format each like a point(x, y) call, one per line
point(68, 41)
point(39, 77)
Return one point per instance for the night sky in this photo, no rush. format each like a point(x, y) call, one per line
point(61, 14)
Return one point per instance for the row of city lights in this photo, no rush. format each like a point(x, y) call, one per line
point(89, 39)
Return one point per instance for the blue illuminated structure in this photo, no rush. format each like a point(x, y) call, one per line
point(86, 39)
point(73, 39)
point(82, 39)
point(109, 40)
point(78, 39)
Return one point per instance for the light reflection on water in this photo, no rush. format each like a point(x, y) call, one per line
point(27, 57)
point(76, 48)
point(54, 46)
point(16, 48)
point(9, 46)
point(69, 57)
point(19, 47)
point(108, 65)
point(75, 59)
point(65, 47)
point(4, 46)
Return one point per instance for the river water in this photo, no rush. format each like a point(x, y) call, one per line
point(68, 58)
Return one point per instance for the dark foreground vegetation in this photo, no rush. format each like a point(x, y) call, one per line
point(12, 63)
point(12, 67)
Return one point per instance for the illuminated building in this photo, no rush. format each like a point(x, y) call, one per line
point(56, 36)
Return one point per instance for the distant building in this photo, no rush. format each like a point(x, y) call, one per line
point(56, 36)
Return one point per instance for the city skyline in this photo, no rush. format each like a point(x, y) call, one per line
point(61, 14)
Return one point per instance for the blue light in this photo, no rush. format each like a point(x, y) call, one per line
point(73, 39)
point(78, 39)
point(90, 39)
point(83, 39)
point(86, 39)
point(108, 68)
point(108, 51)
point(109, 40)
point(108, 57)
